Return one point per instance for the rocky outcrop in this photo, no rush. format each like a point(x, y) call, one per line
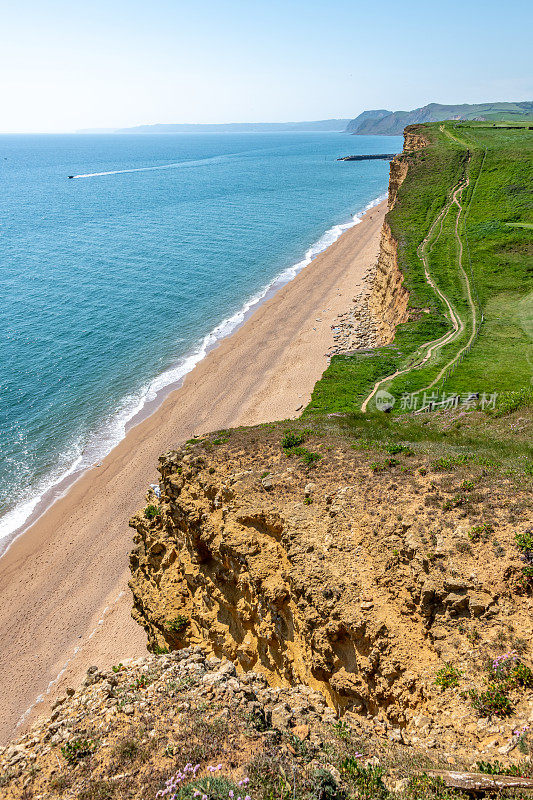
point(317, 579)
point(184, 718)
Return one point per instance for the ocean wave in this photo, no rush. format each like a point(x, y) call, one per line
point(113, 429)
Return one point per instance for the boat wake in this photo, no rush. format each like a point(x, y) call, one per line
point(173, 165)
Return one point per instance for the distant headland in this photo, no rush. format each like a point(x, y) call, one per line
point(324, 125)
point(368, 123)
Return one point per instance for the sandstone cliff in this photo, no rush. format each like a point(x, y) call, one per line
point(388, 299)
point(356, 578)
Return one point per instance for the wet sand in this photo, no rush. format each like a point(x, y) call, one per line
point(64, 598)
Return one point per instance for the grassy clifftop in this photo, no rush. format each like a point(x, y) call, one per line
point(462, 223)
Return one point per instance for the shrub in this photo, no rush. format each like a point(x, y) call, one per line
point(492, 702)
point(447, 676)
point(59, 783)
point(140, 683)
point(509, 670)
point(524, 541)
point(422, 787)
point(76, 750)
point(341, 729)
point(98, 790)
point(292, 439)
point(496, 768)
point(151, 512)
point(178, 624)
point(368, 780)
point(306, 455)
point(448, 462)
point(394, 449)
point(481, 531)
point(257, 720)
point(127, 750)
point(325, 786)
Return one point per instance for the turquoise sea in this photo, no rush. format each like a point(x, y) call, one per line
point(114, 283)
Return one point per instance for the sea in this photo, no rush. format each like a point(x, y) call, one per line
point(114, 283)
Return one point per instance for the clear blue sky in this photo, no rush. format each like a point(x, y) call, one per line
point(106, 63)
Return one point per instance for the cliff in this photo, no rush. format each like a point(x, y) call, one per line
point(347, 576)
point(389, 123)
point(388, 299)
point(326, 623)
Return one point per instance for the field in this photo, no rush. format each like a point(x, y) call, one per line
point(462, 220)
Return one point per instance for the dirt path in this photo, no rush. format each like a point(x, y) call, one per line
point(457, 324)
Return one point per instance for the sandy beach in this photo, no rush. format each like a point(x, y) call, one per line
point(64, 600)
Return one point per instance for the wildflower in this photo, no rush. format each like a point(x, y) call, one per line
point(230, 794)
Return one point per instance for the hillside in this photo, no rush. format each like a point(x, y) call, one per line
point(393, 122)
point(454, 282)
point(242, 127)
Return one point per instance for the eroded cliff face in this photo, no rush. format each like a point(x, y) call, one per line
point(388, 301)
point(388, 298)
point(352, 582)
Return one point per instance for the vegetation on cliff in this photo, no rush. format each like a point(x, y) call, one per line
point(460, 229)
point(185, 725)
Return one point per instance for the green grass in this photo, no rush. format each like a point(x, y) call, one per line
point(497, 258)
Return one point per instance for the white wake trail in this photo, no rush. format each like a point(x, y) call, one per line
point(174, 165)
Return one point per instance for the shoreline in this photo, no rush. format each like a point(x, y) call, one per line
point(64, 603)
point(161, 386)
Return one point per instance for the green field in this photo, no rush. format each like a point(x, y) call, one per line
point(469, 192)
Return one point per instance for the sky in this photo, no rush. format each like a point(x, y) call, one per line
point(117, 63)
